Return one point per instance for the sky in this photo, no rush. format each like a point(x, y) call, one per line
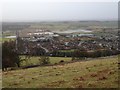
point(34, 10)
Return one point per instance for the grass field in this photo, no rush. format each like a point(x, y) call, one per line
point(72, 50)
point(6, 39)
point(97, 73)
point(35, 60)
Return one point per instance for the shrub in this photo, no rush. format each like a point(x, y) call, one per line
point(79, 54)
point(61, 61)
point(44, 60)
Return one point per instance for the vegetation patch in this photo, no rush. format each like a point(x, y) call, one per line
point(71, 75)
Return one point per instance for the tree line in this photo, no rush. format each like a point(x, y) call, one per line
point(11, 57)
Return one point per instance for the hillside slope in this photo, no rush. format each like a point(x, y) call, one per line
point(98, 73)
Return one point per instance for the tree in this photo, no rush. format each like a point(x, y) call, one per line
point(10, 57)
point(81, 53)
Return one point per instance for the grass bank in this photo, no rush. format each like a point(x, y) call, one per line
point(99, 73)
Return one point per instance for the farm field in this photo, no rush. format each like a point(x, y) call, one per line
point(6, 39)
point(35, 60)
point(96, 73)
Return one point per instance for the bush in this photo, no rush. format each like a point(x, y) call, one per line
point(10, 57)
point(61, 61)
point(79, 54)
point(44, 60)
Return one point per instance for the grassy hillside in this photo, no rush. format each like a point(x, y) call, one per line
point(96, 73)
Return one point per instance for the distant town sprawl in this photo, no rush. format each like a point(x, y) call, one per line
point(38, 41)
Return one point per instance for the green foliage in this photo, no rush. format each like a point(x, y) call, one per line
point(79, 54)
point(44, 60)
point(10, 57)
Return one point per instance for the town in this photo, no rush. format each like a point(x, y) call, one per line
point(66, 41)
point(37, 41)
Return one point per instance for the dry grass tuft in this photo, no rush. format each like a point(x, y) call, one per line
point(93, 75)
point(111, 72)
point(79, 79)
point(28, 82)
point(91, 84)
point(102, 78)
point(56, 83)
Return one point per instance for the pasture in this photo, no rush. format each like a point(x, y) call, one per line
point(96, 73)
point(6, 39)
point(35, 60)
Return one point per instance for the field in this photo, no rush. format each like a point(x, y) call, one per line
point(35, 60)
point(6, 39)
point(96, 73)
point(96, 26)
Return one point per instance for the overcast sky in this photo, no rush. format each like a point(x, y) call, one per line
point(58, 11)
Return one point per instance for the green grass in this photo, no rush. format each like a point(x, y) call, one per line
point(72, 50)
point(35, 60)
point(97, 73)
point(6, 39)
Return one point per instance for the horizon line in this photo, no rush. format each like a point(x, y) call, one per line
point(58, 21)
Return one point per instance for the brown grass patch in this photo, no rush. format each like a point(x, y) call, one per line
point(57, 74)
point(87, 67)
point(75, 71)
point(95, 65)
point(28, 82)
point(102, 74)
point(111, 72)
point(102, 78)
point(78, 85)
point(93, 75)
point(34, 78)
point(79, 79)
point(20, 77)
point(103, 71)
point(16, 83)
point(91, 85)
point(6, 73)
point(56, 83)
point(40, 73)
